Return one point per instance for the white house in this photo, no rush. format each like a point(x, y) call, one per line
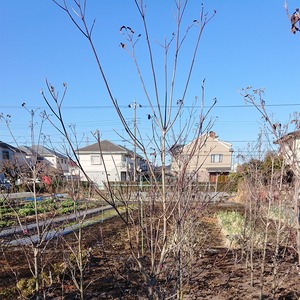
point(109, 162)
point(52, 158)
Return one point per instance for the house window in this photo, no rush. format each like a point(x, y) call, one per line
point(96, 160)
point(216, 158)
point(123, 176)
point(5, 155)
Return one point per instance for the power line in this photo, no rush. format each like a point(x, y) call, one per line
point(148, 106)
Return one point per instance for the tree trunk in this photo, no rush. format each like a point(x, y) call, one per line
point(297, 215)
point(36, 272)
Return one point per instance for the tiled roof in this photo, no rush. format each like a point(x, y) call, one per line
point(106, 146)
point(288, 136)
point(42, 151)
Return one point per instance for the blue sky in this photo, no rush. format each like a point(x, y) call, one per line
point(246, 43)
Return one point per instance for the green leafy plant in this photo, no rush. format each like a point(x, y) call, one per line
point(26, 211)
point(68, 203)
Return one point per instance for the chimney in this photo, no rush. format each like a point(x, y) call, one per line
point(212, 134)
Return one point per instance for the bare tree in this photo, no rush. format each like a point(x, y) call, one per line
point(269, 186)
point(165, 211)
point(33, 244)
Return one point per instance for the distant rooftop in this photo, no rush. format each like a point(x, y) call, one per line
point(41, 150)
point(7, 146)
point(106, 146)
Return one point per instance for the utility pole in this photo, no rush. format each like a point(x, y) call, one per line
point(134, 105)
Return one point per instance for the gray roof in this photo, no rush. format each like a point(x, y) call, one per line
point(288, 136)
point(9, 147)
point(41, 151)
point(106, 146)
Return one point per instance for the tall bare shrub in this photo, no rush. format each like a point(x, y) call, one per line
point(164, 213)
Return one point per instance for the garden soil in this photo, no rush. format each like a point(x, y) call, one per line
point(218, 272)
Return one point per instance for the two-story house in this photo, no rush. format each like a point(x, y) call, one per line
point(50, 158)
point(205, 159)
point(108, 162)
point(10, 154)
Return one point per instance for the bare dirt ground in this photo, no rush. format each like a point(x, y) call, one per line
point(218, 273)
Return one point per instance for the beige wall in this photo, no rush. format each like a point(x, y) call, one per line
point(195, 159)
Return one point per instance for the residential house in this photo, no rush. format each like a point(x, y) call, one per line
point(74, 171)
point(9, 154)
point(49, 157)
point(205, 159)
point(289, 147)
point(108, 162)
